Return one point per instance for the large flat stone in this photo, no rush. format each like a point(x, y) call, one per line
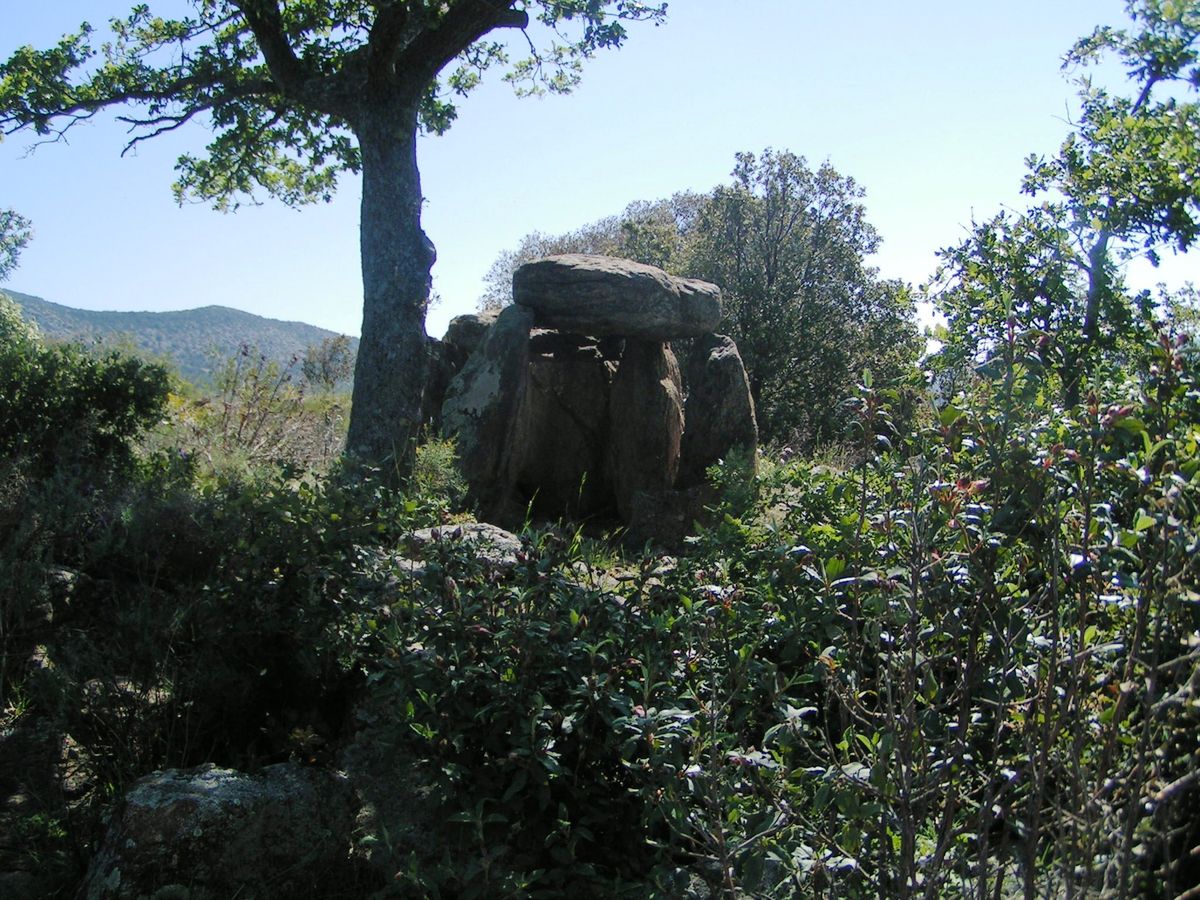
point(489, 543)
point(602, 296)
point(212, 832)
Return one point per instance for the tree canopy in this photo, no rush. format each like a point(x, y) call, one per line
point(788, 245)
point(285, 87)
point(1126, 181)
point(297, 93)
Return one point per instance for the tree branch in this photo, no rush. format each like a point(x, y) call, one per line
point(330, 93)
point(161, 124)
point(81, 110)
point(465, 23)
point(1176, 787)
point(266, 24)
point(384, 40)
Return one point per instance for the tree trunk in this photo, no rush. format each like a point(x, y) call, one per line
point(1080, 359)
point(396, 260)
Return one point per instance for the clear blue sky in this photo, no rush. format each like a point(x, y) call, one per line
point(931, 105)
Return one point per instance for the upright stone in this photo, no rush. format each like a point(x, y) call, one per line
point(719, 413)
point(445, 361)
point(646, 411)
point(603, 296)
point(466, 333)
point(482, 399)
point(556, 446)
point(447, 358)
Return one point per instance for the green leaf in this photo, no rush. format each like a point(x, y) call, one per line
point(1131, 424)
point(949, 415)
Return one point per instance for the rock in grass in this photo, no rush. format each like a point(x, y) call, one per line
point(214, 832)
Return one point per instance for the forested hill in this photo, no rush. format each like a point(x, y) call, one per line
point(194, 339)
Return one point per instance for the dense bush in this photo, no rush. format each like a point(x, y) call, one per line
point(260, 413)
point(159, 606)
point(62, 407)
point(966, 666)
point(66, 421)
point(981, 653)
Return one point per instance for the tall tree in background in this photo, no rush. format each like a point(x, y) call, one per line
point(15, 233)
point(788, 246)
point(1126, 181)
point(297, 93)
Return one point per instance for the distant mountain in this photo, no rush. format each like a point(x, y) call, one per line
point(196, 340)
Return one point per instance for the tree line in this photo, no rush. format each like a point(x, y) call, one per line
point(789, 245)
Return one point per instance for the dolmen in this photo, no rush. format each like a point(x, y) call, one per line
point(571, 401)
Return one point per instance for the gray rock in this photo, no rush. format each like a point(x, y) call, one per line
point(445, 361)
point(602, 296)
point(576, 415)
point(467, 332)
point(489, 542)
point(556, 446)
point(482, 400)
point(646, 412)
point(719, 412)
point(214, 832)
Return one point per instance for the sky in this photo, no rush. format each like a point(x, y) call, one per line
point(931, 105)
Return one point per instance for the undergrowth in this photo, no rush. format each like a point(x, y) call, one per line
point(963, 662)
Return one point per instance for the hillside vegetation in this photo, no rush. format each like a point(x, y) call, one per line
point(197, 341)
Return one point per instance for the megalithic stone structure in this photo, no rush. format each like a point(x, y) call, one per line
point(573, 402)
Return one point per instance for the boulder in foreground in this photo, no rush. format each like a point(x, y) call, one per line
point(214, 832)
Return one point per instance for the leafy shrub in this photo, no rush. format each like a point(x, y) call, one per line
point(965, 665)
point(232, 598)
point(66, 421)
point(962, 667)
point(63, 407)
point(259, 414)
point(436, 478)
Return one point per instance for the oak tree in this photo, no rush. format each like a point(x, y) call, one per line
point(788, 245)
point(295, 93)
point(1126, 181)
